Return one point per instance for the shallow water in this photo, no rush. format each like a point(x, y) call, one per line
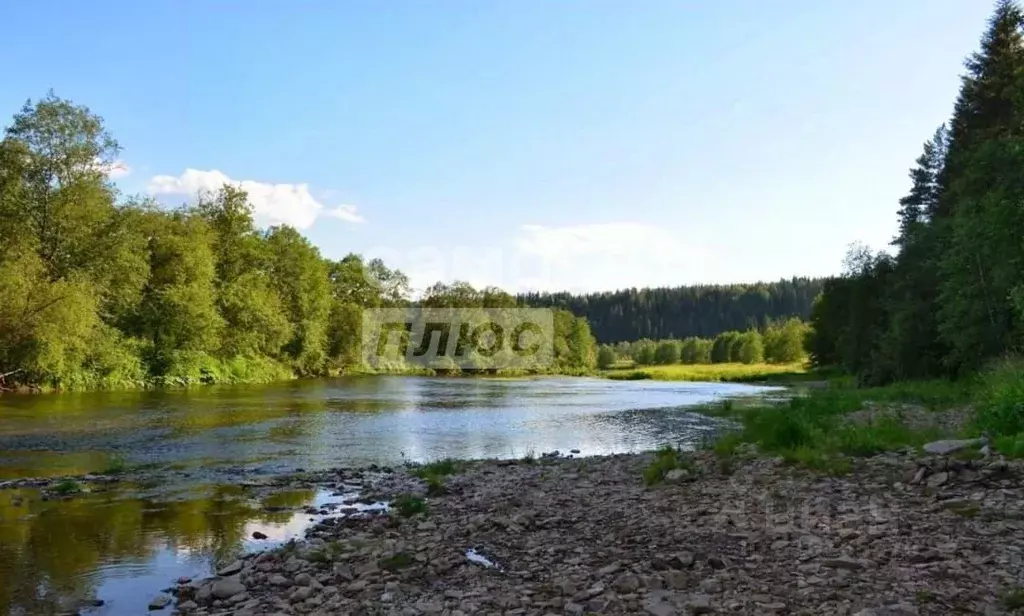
point(124, 544)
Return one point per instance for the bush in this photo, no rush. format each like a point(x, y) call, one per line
point(437, 468)
point(999, 400)
point(67, 486)
point(666, 459)
point(605, 357)
point(435, 486)
point(667, 352)
point(408, 505)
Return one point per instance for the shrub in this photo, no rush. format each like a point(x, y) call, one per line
point(667, 458)
point(435, 486)
point(67, 486)
point(116, 466)
point(1000, 399)
point(438, 468)
point(408, 505)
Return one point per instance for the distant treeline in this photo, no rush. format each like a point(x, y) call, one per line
point(952, 298)
point(780, 342)
point(702, 311)
point(97, 291)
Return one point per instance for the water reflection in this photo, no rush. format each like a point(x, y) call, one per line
point(124, 544)
point(58, 554)
point(345, 422)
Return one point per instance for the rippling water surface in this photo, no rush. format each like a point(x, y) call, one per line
point(123, 544)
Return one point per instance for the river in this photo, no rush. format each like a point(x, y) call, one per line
point(122, 544)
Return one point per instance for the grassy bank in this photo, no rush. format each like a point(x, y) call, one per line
point(826, 428)
point(711, 372)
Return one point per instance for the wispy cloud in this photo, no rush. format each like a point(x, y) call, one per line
point(291, 204)
point(114, 170)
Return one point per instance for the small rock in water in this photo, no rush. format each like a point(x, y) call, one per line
point(184, 580)
point(258, 535)
point(231, 569)
point(574, 451)
point(159, 602)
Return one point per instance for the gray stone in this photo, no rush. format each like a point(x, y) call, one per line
point(301, 594)
point(304, 579)
point(279, 580)
point(699, 604)
point(677, 475)
point(944, 448)
point(919, 475)
point(711, 586)
point(159, 602)
point(231, 569)
point(843, 562)
point(938, 479)
point(626, 583)
point(574, 609)
point(227, 588)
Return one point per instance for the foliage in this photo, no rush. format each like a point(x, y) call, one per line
point(952, 299)
point(707, 372)
point(407, 505)
point(666, 458)
point(701, 311)
point(667, 352)
point(606, 357)
point(97, 293)
point(438, 468)
point(67, 486)
point(999, 400)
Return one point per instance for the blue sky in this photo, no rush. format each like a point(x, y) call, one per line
point(581, 145)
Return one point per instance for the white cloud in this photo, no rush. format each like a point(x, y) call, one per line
point(115, 169)
point(603, 256)
point(345, 212)
point(579, 258)
point(273, 204)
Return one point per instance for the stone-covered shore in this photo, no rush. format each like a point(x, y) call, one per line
point(901, 534)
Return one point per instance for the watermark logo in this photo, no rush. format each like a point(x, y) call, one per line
point(462, 338)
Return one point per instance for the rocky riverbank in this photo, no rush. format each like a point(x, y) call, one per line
point(901, 534)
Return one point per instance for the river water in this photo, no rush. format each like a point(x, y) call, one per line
point(124, 543)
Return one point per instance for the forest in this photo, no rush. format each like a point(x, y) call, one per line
point(98, 290)
point(949, 299)
point(702, 311)
point(780, 342)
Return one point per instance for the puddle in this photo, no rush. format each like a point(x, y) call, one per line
point(120, 549)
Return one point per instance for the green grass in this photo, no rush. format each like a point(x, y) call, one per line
point(666, 459)
point(116, 466)
point(707, 372)
point(999, 399)
point(408, 505)
point(398, 560)
point(437, 468)
point(811, 431)
point(67, 486)
point(1014, 600)
point(436, 486)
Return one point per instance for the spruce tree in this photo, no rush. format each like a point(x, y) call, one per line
point(978, 219)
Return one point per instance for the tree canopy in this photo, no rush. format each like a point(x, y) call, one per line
point(952, 297)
